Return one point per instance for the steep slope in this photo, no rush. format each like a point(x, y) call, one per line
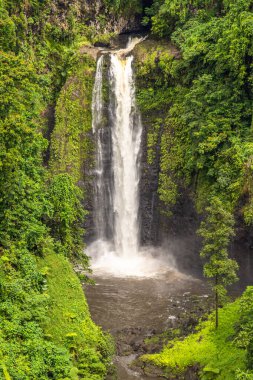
point(41, 212)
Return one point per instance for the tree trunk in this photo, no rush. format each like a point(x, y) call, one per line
point(216, 304)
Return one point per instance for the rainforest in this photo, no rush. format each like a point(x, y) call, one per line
point(126, 189)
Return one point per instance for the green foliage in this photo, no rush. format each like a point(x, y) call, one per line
point(68, 321)
point(214, 350)
point(154, 98)
point(65, 215)
point(41, 214)
point(23, 347)
point(71, 147)
point(216, 231)
point(46, 329)
point(210, 115)
point(20, 158)
point(244, 375)
point(244, 337)
point(166, 15)
point(124, 7)
point(206, 139)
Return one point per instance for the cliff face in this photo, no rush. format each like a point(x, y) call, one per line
point(173, 227)
point(71, 141)
point(171, 220)
point(92, 18)
point(105, 21)
point(73, 150)
point(73, 145)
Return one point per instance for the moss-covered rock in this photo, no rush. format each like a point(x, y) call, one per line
point(71, 142)
point(158, 188)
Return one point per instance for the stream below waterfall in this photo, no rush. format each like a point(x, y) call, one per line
point(135, 310)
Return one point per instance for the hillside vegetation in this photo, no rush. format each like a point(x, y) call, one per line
point(196, 87)
point(198, 95)
point(46, 329)
point(213, 353)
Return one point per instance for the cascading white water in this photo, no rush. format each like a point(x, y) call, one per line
point(103, 195)
point(116, 202)
point(97, 96)
point(126, 140)
point(97, 115)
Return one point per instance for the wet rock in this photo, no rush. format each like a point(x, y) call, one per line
point(150, 370)
point(102, 44)
point(139, 341)
point(124, 349)
point(192, 373)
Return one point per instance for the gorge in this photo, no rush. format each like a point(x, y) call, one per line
point(126, 192)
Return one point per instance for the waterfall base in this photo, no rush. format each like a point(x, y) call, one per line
point(150, 261)
point(142, 313)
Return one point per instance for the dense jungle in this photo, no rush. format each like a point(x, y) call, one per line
point(126, 189)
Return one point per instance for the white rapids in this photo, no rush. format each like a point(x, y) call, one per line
point(117, 250)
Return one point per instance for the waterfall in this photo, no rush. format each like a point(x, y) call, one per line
point(103, 217)
point(126, 139)
point(117, 129)
point(97, 96)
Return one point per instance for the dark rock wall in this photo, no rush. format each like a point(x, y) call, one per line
point(176, 233)
point(94, 15)
point(150, 217)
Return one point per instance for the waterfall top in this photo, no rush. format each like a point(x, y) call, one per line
point(132, 42)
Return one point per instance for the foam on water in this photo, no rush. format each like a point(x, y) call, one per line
point(149, 262)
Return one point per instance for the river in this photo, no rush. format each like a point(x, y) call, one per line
point(134, 310)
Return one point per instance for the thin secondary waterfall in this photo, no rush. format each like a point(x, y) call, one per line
point(103, 216)
point(117, 129)
point(97, 96)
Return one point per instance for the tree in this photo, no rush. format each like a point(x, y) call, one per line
point(216, 231)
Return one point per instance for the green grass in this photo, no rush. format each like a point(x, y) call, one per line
point(69, 322)
point(212, 349)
